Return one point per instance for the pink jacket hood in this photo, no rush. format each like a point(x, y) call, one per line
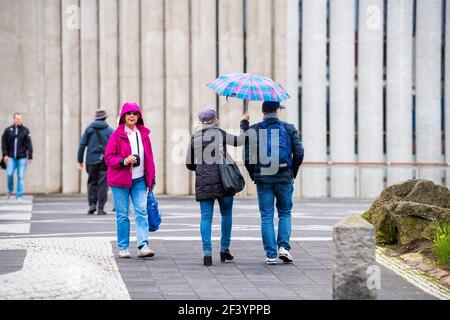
point(129, 107)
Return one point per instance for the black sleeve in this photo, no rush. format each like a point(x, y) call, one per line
point(4, 148)
point(29, 145)
point(297, 150)
point(249, 165)
point(190, 156)
point(236, 141)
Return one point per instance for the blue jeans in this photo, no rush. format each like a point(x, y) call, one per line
point(207, 209)
point(138, 193)
point(266, 196)
point(20, 165)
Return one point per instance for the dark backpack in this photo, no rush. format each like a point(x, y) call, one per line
point(280, 148)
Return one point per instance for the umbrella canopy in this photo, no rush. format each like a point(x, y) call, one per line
point(248, 86)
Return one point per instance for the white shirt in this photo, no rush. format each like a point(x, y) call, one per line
point(137, 172)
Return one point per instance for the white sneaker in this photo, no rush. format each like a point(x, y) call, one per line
point(271, 260)
point(8, 195)
point(124, 253)
point(20, 199)
point(145, 252)
point(284, 255)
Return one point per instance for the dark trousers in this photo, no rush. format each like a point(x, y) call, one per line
point(96, 185)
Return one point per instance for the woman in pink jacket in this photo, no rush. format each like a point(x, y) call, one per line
point(131, 170)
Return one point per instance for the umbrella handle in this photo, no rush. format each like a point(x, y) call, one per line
point(245, 107)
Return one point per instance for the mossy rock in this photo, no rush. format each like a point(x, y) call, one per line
point(404, 212)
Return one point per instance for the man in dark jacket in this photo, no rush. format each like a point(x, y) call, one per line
point(273, 154)
point(95, 138)
point(16, 148)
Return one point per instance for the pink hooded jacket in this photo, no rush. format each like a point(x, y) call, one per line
point(119, 148)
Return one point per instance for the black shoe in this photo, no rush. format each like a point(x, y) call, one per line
point(101, 212)
point(207, 260)
point(225, 255)
point(91, 210)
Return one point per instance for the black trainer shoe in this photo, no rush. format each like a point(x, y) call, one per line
point(101, 212)
point(91, 210)
point(225, 255)
point(207, 260)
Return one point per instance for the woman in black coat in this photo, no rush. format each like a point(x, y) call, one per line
point(203, 157)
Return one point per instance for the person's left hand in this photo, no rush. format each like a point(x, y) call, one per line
point(153, 184)
point(30, 161)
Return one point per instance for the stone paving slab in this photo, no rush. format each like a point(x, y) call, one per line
point(62, 236)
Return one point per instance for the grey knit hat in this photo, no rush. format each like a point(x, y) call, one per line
point(206, 114)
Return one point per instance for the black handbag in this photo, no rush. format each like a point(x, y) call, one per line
point(232, 179)
point(2, 164)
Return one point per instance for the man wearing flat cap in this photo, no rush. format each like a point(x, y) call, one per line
point(95, 138)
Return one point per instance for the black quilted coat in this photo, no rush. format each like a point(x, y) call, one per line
point(208, 184)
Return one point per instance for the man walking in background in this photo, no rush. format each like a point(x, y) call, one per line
point(273, 154)
point(95, 138)
point(17, 152)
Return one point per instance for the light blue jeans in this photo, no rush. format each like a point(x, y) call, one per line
point(138, 194)
point(20, 165)
point(266, 198)
point(207, 210)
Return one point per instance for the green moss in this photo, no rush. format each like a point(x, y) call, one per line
point(367, 216)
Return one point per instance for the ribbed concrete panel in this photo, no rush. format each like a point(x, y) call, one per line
point(30, 98)
point(89, 69)
point(177, 93)
point(52, 96)
point(399, 88)
point(129, 52)
point(203, 37)
point(108, 20)
point(231, 59)
point(286, 59)
point(428, 86)
point(152, 46)
point(71, 93)
point(313, 99)
point(259, 55)
point(447, 90)
point(10, 65)
point(342, 95)
point(370, 96)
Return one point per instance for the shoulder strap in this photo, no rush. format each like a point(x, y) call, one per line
point(137, 142)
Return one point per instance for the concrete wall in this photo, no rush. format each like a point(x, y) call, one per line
point(66, 58)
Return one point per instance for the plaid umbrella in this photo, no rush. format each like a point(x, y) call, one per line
point(248, 86)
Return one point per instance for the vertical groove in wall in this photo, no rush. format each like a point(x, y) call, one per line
point(244, 17)
point(61, 93)
point(443, 20)
point(217, 52)
point(414, 100)
point(190, 190)
point(272, 38)
point(98, 54)
point(118, 58)
point(140, 52)
point(164, 132)
point(385, 8)
point(355, 90)
point(80, 85)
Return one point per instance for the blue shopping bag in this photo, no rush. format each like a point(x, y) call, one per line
point(154, 217)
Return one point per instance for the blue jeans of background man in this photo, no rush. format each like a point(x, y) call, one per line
point(267, 193)
point(20, 165)
point(207, 210)
point(138, 194)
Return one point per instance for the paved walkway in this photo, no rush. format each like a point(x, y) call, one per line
point(65, 254)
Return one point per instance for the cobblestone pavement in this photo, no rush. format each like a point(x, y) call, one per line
point(67, 254)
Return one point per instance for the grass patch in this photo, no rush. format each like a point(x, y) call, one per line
point(441, 242)
point(386, 238)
